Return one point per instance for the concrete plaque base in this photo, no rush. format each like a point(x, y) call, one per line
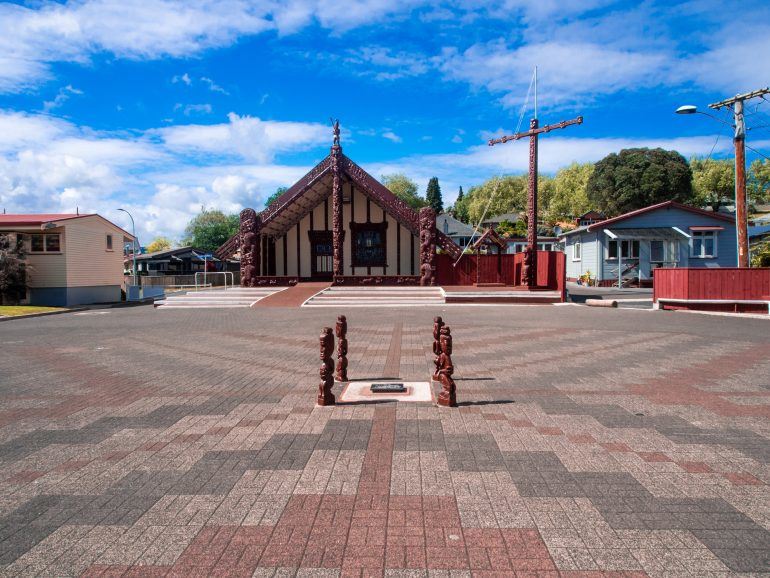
point(361, 391)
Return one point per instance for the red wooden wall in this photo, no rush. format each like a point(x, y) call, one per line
point(506, 269)
point(727, 283)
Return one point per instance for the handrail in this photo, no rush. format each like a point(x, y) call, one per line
point(206, 273)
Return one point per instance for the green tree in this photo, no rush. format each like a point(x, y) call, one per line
point(405, 189)
point(636, 178)
point(460, 209)
point(713, 181)
point(760, 255)
point(758, 185)
point(209, 229)
point(13, 275)
point(433, 195)
point(272, 198)
point(570, 197)
point(159, 244)
point(503, 194)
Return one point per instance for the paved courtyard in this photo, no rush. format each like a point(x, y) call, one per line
point(589, 442)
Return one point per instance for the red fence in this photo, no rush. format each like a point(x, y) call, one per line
point(722, 284)
point(505, 269)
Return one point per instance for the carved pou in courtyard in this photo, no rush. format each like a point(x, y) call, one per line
point(250, 247)
point(342, 348)
point(438, 323)
point(325, 395)
point(448, 396)
point(427, 219)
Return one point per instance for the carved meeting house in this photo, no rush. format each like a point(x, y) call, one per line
point(338, 223)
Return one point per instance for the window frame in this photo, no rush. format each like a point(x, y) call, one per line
point(357, 229)
point(109, 242)
point(45, 250)
point(577, 251)
point(632, 244)
point(702, 236)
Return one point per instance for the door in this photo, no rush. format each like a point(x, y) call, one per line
point(321, 255)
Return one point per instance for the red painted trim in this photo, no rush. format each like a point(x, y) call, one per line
point(665, 204)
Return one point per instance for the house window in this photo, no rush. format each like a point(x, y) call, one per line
point(577, 251)
point(45, 243)
point(109, 242)
point(703, 244)
point(545, 246)
point(369, 244)
point(663, 252)
point(628, 249)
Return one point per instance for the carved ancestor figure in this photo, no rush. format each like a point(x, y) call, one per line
point(342, 348)
point(325, 395)
point(336, 131)
point(250, 247)
point(448, 396)
point(427, 219)
point(528, 270)
point(438, 323)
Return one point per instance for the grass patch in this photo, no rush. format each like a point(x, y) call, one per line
point(16, 310)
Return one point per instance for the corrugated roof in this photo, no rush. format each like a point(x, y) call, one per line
point(37, 219)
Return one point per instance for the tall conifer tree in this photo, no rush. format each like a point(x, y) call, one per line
point(433, 195)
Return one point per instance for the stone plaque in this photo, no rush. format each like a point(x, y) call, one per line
point(388, 388)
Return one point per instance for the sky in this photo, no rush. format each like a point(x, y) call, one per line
point(162, 107)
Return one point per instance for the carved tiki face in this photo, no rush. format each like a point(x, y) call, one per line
point(446, 341)
point(326, 342)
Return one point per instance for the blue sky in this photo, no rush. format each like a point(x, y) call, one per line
point(162, 106)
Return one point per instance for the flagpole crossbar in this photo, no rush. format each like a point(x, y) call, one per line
point(532, 132)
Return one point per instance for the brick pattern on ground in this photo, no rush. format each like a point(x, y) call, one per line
point(188, 444)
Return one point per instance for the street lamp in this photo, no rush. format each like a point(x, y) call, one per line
point(133, 243)
point(739, 139)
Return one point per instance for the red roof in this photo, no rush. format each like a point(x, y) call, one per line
point(665, 204)
point(37, 219)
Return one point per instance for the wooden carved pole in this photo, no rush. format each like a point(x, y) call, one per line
point(529, 270)
point(342, 348)
point(438, 323)
point(250, 224)
point(325, 395)
point(427, 219)
point(530, 256)
point(338, 231)
point(448, 395)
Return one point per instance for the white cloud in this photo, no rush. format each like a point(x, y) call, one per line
point(569, 72)
point(184, 78)
point(391, 136)
point(194, 109)
point(213, 86)
point(245, 136)
point(32, 38)
point(61, 97)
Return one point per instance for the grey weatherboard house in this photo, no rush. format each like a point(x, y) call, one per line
point(629, 247)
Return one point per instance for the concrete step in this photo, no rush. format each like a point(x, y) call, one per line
point(232, 298)
point(377, 297)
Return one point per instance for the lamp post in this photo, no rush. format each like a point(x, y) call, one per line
point(739, 140)
point(133, 244)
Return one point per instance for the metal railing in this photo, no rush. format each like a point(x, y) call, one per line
point(207, 273)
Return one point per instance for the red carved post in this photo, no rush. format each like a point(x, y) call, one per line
point(338, 235)
point(438, 323)
point(530, 257)
point(427, 217)
point(325, 395)
point(448, 395)
point(342, 348)
point(250, 224)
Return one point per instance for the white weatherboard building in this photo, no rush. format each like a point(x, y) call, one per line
point(70, 259)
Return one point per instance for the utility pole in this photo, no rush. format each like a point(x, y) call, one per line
point(741, 221)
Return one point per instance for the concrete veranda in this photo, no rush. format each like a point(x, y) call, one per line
point(139, 442)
